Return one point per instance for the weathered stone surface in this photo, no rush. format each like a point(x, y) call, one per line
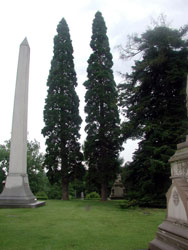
point(118, 190)
point(172, 234)
point(177, 200)
point(35, 204)
point(17, 191)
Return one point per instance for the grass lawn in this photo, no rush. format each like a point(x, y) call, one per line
point(78, 225)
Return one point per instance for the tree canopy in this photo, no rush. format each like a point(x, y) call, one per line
point(153, 102)
point(103, 142)
point(63, 158)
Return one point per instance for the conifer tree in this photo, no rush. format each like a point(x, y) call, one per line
point(103, 143)
point(61, 115)
point(153, 99)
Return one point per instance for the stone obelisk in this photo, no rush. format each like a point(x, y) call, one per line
point(17, 192)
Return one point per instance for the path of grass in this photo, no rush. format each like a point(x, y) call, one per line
point(78, 225)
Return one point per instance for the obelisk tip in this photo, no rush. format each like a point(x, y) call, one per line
point(25, 42)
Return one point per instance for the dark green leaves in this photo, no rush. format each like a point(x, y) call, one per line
point(103, 142)
point(61, 114)
point(153, 101)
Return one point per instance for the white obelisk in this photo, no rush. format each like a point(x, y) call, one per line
point(17, 192)
point(18, 151)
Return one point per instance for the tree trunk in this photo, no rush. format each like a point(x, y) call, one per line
point(104, 192)
point(65, 190)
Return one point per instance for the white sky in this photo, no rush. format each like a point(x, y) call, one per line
point(37, 20)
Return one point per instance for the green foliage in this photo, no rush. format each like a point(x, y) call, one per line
point(153, 102)
point(63, 158)
point(55, 191)
point(92, 195)
point(38, 180)
point(102, 145)
point(4, 161)
point(41, 195)
point(128, 204)
point(76, 187)
point(2, 178)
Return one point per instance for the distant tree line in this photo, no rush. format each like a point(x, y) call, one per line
point(152, 102)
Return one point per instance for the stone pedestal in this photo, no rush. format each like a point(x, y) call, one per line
point(118, 190)
point(17, 192)
point(172, 234)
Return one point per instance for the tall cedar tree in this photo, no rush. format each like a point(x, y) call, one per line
point(61, 115)
point(153, 99)
point(102, 144)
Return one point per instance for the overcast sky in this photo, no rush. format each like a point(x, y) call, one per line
point(37, 20)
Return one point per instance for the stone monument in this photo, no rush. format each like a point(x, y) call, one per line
point(118, 190)
point(172, 234)
point(82, 195)
point(17, 192)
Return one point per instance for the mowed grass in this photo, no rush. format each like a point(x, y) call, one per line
point(78, 225)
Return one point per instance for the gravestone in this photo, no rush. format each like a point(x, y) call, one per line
point(16, 192)
point(118, 190)
point(82, 195)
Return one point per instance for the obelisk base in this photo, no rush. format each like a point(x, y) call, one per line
point(17, 193)
point(172, 234)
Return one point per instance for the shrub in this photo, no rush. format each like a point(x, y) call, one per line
point(153, 203)
point(55, 192)
point(41, 195)
point(93, 195)
point(128, 204)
